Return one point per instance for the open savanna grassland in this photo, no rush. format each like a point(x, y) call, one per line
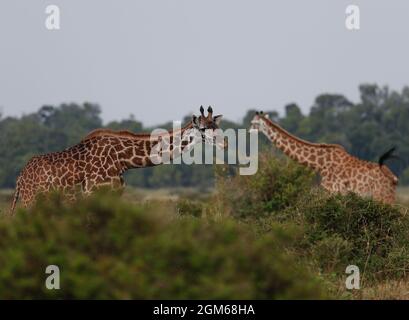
point(403, 196)
point(135, 195)
point(131, 194)
point(274, 235)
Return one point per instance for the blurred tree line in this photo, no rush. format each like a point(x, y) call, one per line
point(366, 129)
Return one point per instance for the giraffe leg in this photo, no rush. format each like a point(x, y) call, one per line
point(116, 184)
point(14, 202)
point(71, 193)
point(87, 186)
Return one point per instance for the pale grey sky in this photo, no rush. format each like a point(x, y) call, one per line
point(161, 59)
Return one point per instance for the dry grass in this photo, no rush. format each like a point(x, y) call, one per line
point(5, 199)
point(385, 290)
point(131, 194)
point(389, 290)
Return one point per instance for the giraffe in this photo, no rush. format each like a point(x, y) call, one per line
point(102, 157)
point(340, 172)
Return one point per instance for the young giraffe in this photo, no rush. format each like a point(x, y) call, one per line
point(103, 156)
point(339, 171)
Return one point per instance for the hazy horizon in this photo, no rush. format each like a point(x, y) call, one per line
point(161, 60)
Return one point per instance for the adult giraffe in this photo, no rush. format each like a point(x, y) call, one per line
point(104, 155)
point(339, 171)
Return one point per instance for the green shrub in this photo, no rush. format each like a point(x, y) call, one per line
point(343, 230)
point(336, 230)
point(189, 208)
point(277, 184)
point(108, 248)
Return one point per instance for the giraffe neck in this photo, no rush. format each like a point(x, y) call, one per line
point(136, 151)
point(312, 155)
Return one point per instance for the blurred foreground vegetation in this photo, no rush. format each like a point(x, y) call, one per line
point(274, 235)
point(107, 248)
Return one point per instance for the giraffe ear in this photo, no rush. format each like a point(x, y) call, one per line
point(267, 116)
point(217, 119)
point(195, 121)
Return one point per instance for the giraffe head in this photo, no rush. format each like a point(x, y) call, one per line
point(258, 121)
point(209, 127)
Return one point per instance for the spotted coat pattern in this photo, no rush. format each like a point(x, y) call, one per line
point(99, 160)
point(340, 172)
point(103, 156)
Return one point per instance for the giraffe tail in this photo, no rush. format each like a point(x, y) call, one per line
point(15, 198)
point(387, 155)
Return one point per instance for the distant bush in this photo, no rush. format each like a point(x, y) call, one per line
point(108, 248)
point(343, 230)
point(277, 184)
